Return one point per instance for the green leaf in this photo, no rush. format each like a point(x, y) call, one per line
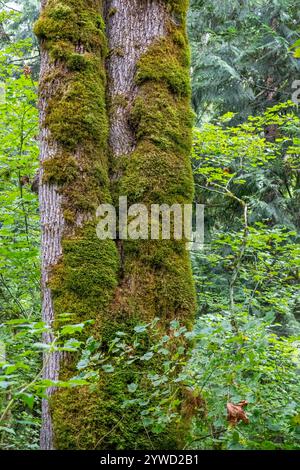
point(72, 329)
point(108, 368)
point(140, 328)
point(132, 387)
point(28, 399)
point(147, 356)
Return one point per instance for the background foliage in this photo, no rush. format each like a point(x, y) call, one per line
point(245, 46)
point(19, 223)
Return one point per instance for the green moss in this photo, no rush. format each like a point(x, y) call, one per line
point(75, 114)
point(84, 280)
point(157, 282)
point(167, 61)
point(149, 170)
point(60, 169)
point(74, 21)
point(77, 62)
point(163, 119)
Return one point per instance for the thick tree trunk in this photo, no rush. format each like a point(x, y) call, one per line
point(73, 177)
point(52, 224)
point(150, 139)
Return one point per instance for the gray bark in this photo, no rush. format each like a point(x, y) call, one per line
point(52, 226)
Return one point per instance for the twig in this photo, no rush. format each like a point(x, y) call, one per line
point(103, 437)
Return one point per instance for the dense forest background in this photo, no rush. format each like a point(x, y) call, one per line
point(245, 343)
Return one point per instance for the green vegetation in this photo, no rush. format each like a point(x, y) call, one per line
point(246, 48)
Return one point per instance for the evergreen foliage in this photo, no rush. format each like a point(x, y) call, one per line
point(242, 57)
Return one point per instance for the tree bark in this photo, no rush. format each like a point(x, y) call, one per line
point(141, 80)
point(52, 225)
point(132, 26)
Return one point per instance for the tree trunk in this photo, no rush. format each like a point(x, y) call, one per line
point(116, 283)
point(52, 224)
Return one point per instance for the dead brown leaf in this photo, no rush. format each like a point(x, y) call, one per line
point(236, 413)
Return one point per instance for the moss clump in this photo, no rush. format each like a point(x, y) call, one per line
point(157, 282)
point(167, 62)
point(73, 21)
point(163, 119)
point(72, 117)
point(60, 169)
point(78, 62)
point(148, 171)
point(73, 33)
point(84, 280)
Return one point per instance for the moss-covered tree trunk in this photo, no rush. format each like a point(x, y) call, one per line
point(141, 87)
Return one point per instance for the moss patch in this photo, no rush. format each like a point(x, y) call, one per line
point(83, 281)
point(71, 22)
point(73, 34)
point(167, 61)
